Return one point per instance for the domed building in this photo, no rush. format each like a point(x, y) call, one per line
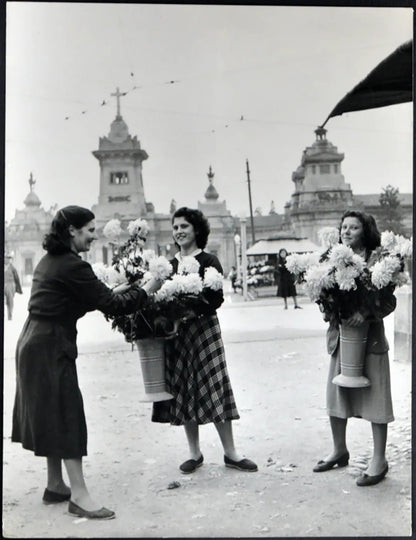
point(320, 197)
point(24, 234)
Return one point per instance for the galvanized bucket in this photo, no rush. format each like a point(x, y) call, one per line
point(353, 342)
point(152, 362)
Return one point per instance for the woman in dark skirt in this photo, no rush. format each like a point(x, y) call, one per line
point(196, 371)
point(285, 280)
point(48, 414)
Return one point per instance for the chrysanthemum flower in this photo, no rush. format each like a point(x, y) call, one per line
point(160, 268)
point(388, 240)
point(192, 283)
point(317, 279)
point(112, 230)
point(383, 272)
point(188, 265)
point(213, 279)
point(297, 263)
point(100, 270)
point(139, 227)
point(340, 255)
point(328, 236)
point(345, 277)
point(114, 277)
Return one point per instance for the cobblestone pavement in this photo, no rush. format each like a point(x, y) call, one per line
point(277, 363)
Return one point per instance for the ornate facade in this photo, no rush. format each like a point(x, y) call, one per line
point(24, 234)
point(320, 197)
point(321, 193)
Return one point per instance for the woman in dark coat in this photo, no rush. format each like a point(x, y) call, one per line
point(48, 414)
point(285, 280)
point(196, 371)
point(373, 403)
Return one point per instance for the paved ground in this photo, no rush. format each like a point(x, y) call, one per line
point(277, 363)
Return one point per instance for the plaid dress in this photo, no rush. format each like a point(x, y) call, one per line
point(196, 375)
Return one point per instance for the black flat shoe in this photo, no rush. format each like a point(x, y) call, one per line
point(51, 497)
point(245, 464)
point(372, 480)
point(191, 465)
point(102, 513)
point(322, 466)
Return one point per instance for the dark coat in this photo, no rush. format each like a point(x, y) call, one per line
point(285, 281)
point(48, 414)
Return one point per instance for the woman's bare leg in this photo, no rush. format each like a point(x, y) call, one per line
point(338, 429)
point(378, 461)
point(192, 435)
point(79, 491)
point(55, 479)
point(225, 431)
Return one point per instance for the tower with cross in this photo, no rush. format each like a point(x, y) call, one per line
point(118, 95)
point(121, 159)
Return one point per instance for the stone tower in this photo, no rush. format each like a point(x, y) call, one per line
point(321, 193)
point(221, 238)
point(121, 184)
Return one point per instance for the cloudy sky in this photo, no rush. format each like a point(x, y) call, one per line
point(281, 69)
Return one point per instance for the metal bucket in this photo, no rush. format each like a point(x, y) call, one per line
point(152, 362)
point(353, 342)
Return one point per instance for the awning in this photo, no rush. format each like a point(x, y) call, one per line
point(389, 83)
point(272, 247)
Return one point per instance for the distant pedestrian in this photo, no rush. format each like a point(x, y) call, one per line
point(196, 370)
point(233, 277)
point(285, 280)
point(11, 284)
point(373, 403)
point(48, 414)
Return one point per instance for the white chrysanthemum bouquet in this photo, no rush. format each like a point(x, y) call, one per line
point(131, 264)
point(179, 299)
point(187, 288)
point(390, 268)
point(341, 281)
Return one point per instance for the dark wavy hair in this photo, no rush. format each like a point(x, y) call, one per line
point(199, 222)
point(371, 234)
point(58, 240)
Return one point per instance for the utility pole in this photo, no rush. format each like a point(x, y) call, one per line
point(243, 226)
point(251, 206)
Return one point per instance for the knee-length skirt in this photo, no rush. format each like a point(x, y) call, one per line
point(373, 403)
point(48, 413)
point(197, 377)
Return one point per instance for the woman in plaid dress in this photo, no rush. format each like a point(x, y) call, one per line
point(196, 370)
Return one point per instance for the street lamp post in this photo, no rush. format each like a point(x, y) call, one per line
point(237, 242)
point(243, 224)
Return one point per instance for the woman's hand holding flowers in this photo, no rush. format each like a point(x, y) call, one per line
point(152, 285)
point(356, 319)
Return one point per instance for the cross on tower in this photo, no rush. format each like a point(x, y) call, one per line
point(31, 181)
point(118, 94)
point(210, 175)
